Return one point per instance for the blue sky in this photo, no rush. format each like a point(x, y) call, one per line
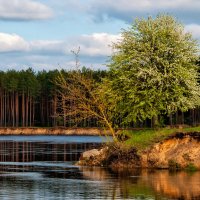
point(41, 33)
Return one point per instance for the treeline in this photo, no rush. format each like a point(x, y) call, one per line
point(30, 99)
point(26, 98)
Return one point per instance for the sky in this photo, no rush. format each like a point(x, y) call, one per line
point(42, 34)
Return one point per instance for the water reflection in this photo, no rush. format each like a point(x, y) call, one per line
point(30, 151)
point(180, 185)
point(150, 184)
point(45, 170)
point(68, 182)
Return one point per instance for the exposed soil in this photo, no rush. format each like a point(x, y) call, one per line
point(180, 150)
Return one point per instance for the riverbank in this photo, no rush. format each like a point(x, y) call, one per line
point(52, 131)
point(180, 150)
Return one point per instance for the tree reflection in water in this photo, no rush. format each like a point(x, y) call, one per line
point(23, 151)
point(147, 184)
point(45, 170)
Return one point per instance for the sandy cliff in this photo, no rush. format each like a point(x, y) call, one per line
point(180, 150)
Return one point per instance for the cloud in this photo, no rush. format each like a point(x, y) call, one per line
point(12, 42)
point(94, 50)
point(194, 29)
point(96, 44)
point(24, 10)
point(126, 10)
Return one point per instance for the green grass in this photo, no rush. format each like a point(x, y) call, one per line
point(142, 139)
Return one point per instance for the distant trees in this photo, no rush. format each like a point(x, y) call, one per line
point(33, 99)
point(84, 99)
point(28, 91)
point(153, 70)
point(47, 101)
point(18, 93)
point(26, 99)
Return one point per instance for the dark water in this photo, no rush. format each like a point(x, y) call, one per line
point(42, 167)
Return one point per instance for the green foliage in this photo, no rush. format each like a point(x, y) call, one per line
point(11, 80)
point(28, 82)
point(19, 81)
point(191, 167)
point(46, 81)
point(153, 70)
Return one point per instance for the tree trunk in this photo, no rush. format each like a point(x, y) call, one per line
point(33, 117)
point(17, 109)
point(30, 111)
point(170, 120)
point(23, 109)
point(182, 117)
point(64, 112)
point(27, 100)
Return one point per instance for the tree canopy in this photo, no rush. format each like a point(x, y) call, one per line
point(153, 69)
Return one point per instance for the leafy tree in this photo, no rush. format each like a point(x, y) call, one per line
point(153, 70)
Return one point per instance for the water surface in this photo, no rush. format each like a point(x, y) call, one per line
point(42, 167)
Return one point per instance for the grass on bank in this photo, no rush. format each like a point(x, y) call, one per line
point(142, 139)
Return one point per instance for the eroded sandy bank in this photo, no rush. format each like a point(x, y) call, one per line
point(180, 150)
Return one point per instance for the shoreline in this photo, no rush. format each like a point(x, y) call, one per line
point(52, 131)
point(176, 152)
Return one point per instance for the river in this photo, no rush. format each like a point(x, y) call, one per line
point(42, 167)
